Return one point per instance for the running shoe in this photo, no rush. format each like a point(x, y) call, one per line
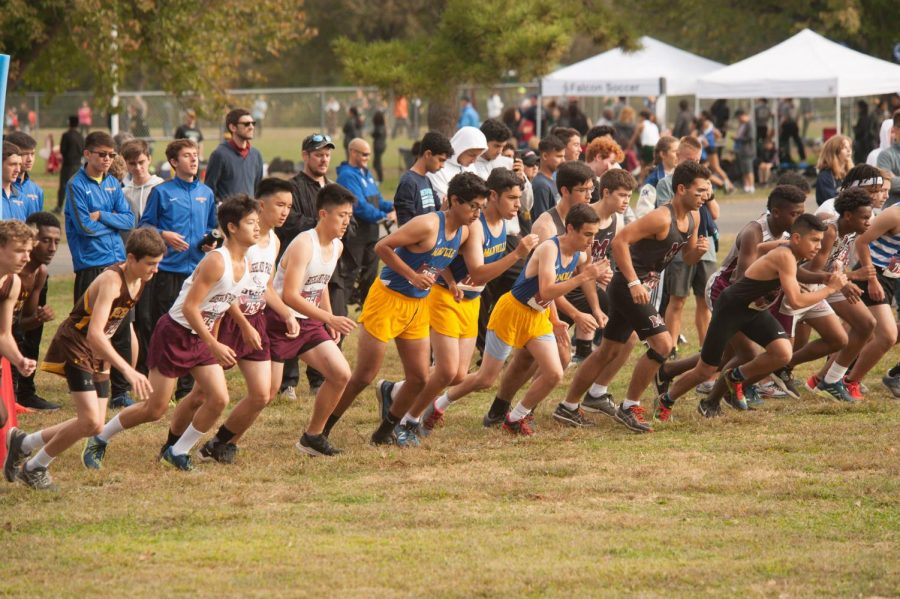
point(407, 435)
point(853, 388)
point(314, 390)
point(181, 462)
point(121, 401)
point(633, 419)
point(492, 420)
point(599, 405)
point(661, 411)
point(317, 446)
point(752, 396)
point(836, 391)
point(93, 453)
point(709, 410)
point(705, 388)
point(812, 383)
point(223, 453)
point(892, 383)
point(36, 402)
point(519, 427)
point(784, 380)
point(381, 437)
point(289, 393)
point(431, 419)
point(383, 394)
point(15, 457)
point(734, 392)
point(569, 417)
point(38, 478)
point(771, 390)
point(661, 381)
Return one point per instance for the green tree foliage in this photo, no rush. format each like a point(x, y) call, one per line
point(479, 44)
point(187, 48)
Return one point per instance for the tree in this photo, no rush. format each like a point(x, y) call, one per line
point(187, 48)
point(479, 44)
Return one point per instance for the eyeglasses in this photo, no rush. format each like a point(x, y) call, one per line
point(363, 154)
point(583, 189)
point(104, 154)
point(247, 123)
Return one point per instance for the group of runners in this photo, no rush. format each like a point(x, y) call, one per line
point(241, 307)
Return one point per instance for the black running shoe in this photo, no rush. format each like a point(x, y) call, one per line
point(784, 380)
point(223, 453)
point(661, 381)
point(36, 402)
point(15, 457)
point(383, 391)
point(571, 417)
point(316, 445)
point(493, 420)
point(709, 410)
point(381, 438)
point(599, 405)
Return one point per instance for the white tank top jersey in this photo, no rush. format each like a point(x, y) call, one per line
point(262, 263)
point(318, 272)
point(219, 297)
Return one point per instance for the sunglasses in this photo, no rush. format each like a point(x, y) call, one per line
point(319, 138)
point(247, 123)
point(104, 154)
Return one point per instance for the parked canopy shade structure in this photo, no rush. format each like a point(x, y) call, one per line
point(654, 70)
point(806, 65)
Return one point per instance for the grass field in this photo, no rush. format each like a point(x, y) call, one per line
point(798, 499)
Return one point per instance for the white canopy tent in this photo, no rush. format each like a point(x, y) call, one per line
point(656, 69)
point(806, 65)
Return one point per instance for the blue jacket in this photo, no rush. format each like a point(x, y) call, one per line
point(13, 206)
point(185, 208)
point(468, 117)
point(32, 192)
point(96, 243)
point(370, 206)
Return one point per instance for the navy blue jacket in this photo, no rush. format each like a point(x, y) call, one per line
point(370, 206)
point(185, 208)
point(95, 243)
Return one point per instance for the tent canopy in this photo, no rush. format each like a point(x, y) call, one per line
point(656, 69)
point(806, 65)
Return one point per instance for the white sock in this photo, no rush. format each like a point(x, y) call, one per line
point(186, 441)
point(628, 403)
point(111, 429)
point(407, 418)
point(396, 389)
point(519, 412)
point(570, 406)
point(32, 442)
point(597, 390)
point(442, 402)
point(40, 460)
point(835, 373)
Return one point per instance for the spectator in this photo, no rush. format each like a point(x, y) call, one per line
point(762, 114)
point(572, 139)
point(401, 116)
point(531, 163)
point(71, 148)
point(720, 113)
point(496, 134)
point(415, 195)
point(189, 130)
point(624, 127)
point(25, 186)
point(358, 262)
point(95, 212)
point(183, 210)
point(665, 160)
point(863, 132)
point(711, 139)
point(468, 144)
point(835, 161)
point(85, 118)
point(259, 111)
point(138, 182)
point(576, 118)
point(552, 152)
point(683, 120)
point(379, 143)
point(468, 116)
point(352, 128)
point(235, 167)
point(745, 150)
point(768, 155)
point(789, 131)
point(646, 134)
point(890, 159)
point(12, 205)
point(494, 106)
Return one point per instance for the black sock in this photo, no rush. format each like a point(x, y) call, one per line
point(582, 348)
point(172, 438)
point(895, 371)
point(223, 435)
point(499, 408)
point(329, 424)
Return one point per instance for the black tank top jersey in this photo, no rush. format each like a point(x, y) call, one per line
point(558, 221)
point(650, 256)
point(753, 293)
point(602, 246)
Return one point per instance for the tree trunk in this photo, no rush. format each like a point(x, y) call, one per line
point(442, 115)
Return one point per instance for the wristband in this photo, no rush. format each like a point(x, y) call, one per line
point(634, 283)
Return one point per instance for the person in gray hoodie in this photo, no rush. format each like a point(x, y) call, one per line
point(139, 181)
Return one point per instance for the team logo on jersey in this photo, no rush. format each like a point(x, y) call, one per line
point(656, 321)
point(599, 249)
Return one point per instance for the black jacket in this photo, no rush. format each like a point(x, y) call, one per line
point(303, 215)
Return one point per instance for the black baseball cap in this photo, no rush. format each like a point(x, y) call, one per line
point(317, 141)
point(529, 158)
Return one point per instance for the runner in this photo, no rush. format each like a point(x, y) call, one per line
point(81, 352)
point(744, 307)
point(302, 280)
point(395, 307)
point(184, 340)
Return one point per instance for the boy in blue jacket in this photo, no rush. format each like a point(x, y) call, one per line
point(96, 210)
point(358, 261)
point(183, 210)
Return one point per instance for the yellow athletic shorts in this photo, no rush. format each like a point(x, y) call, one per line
point(516, 324)
point(448, 317)
point(390, 315)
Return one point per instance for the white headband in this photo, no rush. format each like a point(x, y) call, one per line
point(866, 182)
